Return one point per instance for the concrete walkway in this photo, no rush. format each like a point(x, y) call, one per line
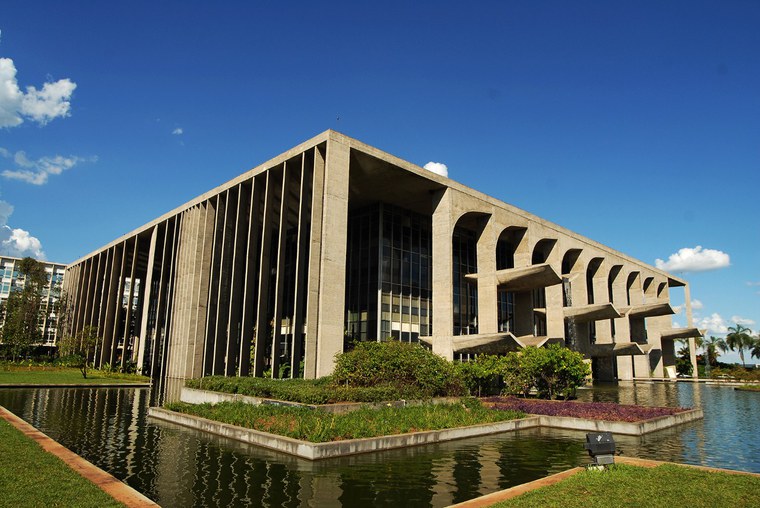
point(120, 491)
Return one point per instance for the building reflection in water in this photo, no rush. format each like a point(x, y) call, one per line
point(181, 467)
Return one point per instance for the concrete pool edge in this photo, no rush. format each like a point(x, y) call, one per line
point(109, 484)
point(316, 451)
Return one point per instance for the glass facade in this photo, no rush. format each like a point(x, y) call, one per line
point(389, 275)
point(465, 260)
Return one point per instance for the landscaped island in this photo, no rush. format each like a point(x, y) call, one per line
point(318, 426)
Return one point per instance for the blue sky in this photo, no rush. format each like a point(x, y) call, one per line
point(636, 125)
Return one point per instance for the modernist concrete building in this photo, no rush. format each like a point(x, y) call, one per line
point(275, 271)
point(11, 279)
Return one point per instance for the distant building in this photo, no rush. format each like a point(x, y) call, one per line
point(274, 272)
point(12, 279)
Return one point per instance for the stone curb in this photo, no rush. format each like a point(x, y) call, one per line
point(625, 428)
point(117, 489)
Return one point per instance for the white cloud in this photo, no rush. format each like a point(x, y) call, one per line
point(438, 168)
point(742, 321)
point(178, 131)
point(713, 323)
point(53, 100)
point(15, 241)
point(696, 304)
point(37, 171)
point(694, 260)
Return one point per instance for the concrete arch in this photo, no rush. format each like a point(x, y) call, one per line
point(512, 247)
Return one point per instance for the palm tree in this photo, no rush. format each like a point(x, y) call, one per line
point(711, 347)
point(755, 348)
point(739, 339)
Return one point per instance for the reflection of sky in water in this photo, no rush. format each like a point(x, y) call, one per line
point(181, 467)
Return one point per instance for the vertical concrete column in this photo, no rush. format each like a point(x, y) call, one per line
point(279, 262)
point(251, 272)
point(332, 269)
point(103, 290)
point(443, 269)
point(601, 295)
point(147, 299)
point(488, 304)
point(315, 257)
point(638, 327)
point(302, 256)
point(128, 318)
point(200, 291)
point(622, 328)
point(555, 314)
point(262, 337)
point(237, 280)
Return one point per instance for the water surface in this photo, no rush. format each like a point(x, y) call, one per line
point(180, 467)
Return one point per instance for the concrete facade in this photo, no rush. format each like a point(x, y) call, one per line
point(275, 271)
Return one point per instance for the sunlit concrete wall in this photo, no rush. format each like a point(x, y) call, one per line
point(250, 278)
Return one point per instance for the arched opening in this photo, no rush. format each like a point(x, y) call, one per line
point(464, 245)
point(613, 280)
point(541, 253)
point(662, 290)
point(650, 291)
point(512, 242)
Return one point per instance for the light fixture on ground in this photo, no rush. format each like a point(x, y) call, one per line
point(601, 448)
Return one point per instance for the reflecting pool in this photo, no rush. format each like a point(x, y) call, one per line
point(180, 467)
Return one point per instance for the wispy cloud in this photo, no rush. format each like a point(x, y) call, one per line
point(742, 321)
point(438, 168)
point(38, 171)
point(178, 131)
point(694, 260)
point(15, 241)
point(52, 101)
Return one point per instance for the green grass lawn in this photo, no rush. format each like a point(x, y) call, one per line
point(318, 426)
point(62, 375)
point(29, 476)
point(748, 388)
point(664, 486)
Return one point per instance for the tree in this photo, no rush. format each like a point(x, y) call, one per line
point(711, 346)
point(755, 348)
point(80, 347)
point(739, 339)
point(21, 327)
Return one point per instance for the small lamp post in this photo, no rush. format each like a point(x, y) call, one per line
point(601, 448)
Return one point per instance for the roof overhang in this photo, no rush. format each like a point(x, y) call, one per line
point(591, 312)
point(524, 278)
point(620, 349)
point(680, 333)
point(493, 342)
point(648, 310)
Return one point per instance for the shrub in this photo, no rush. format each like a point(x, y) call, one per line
point(554, 371)
point(401, 365)
point(483, 375)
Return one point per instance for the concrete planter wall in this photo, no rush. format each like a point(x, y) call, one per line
point(316, 451)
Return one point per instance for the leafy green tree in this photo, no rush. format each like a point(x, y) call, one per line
point(739, 339)
point(554, 371)
point(711, 346)
point(80, 347)
point(21, 327)
point(683, 362)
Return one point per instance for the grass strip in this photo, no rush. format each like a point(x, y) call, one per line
point(318, 426)
point(662, 486)
point(64, 375)
point(29, 476)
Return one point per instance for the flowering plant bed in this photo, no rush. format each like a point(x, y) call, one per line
point(606, 411)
